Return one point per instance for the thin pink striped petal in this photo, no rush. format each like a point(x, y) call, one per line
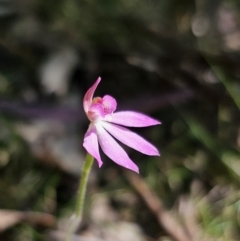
point(91, 144)
point(132, 119)
point(87, 100)
point(131, 139)
point(113, 150)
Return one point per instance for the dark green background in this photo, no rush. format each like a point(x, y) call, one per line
point(178, 61)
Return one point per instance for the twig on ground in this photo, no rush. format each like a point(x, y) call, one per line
point(164, 218)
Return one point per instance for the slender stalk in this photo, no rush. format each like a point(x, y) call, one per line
point(83, 185)
point(77, 217)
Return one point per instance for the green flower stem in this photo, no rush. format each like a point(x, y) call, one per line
point(83, 185)
point(77, 217)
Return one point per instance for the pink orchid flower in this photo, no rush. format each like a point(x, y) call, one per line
point(105, 124)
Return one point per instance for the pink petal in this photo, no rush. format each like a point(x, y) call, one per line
point(131, 139)
point(87, 100)
point(91, 143)
point(109, 103)
point(112, 149)
point(132, 119)
point(95, 112)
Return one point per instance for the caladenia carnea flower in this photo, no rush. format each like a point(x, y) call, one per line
point(106, 124)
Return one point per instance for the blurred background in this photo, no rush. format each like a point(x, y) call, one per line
point(178, 61)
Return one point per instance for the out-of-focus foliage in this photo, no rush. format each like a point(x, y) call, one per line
point(175, 60)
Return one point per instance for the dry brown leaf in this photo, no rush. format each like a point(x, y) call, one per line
point(9, 218)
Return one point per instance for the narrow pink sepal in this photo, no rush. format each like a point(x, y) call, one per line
point(87, 100)
point(113, 150)
point(132, 119)
point(131, 139)
point(91, 144)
